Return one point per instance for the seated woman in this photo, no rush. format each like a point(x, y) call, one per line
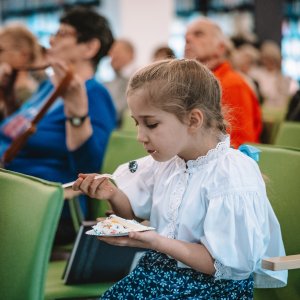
point(19, 48)
point(73, 135)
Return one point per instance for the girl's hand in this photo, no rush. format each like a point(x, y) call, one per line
point(146, 239)
point(101, 188)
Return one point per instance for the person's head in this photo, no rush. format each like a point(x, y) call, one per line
point(205, 42)
point(163, 52)
point(18, 46)
point(245, 57)
point(173, 101)
point(270, 56)
point(83, 35)
point(121, 53)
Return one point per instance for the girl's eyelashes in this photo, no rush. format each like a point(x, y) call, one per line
point(147, 124)
point(135, 122)
point(151, 126)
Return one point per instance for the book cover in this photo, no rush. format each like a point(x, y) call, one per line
point(93, 261)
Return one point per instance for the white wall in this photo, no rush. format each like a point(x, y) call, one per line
point(147, 23)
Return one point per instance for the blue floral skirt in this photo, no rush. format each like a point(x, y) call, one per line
point(157, 277)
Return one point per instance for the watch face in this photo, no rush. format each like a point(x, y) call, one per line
point(76, 121)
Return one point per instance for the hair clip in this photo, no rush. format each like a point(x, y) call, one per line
point(132, 166)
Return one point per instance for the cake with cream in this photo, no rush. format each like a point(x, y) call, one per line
point(114, 225)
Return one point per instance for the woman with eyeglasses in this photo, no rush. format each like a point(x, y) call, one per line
point(71, 137)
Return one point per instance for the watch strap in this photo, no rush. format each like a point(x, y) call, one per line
point(77, 121)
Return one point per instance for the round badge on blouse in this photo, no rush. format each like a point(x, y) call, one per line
point(132, 166)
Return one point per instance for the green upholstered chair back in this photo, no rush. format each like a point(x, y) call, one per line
point(282, 169)
point(30, 209)
point(288, 135)
point(128, 124)
point(121, 148)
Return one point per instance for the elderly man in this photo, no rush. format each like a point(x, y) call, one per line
point(122, 55)
point(206, 42)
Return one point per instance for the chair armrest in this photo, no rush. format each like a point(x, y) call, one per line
point(281, 262)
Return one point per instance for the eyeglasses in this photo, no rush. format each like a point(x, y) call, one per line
point(64, 33)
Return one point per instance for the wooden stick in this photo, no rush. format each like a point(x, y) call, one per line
point(281, 262)
point(21, 140)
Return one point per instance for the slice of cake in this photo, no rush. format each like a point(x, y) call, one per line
point(114, 225)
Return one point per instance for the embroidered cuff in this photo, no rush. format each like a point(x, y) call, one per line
point(222, 272)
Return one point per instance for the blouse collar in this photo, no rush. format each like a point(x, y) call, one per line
point(212, 154)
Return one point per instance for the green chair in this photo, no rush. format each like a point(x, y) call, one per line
point(128, 124)
point(62, 252)
point(56, 289)
point(272, 119)
point(29, 214)
point(281, 167)
point(288, 135)
point(122, 148)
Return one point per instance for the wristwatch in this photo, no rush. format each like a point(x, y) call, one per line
point(77, 121)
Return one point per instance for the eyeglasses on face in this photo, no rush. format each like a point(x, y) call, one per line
point(64, 33)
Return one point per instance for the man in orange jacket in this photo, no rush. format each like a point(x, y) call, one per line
point(206, 42)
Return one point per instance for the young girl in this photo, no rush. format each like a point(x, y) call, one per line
point(207, 201)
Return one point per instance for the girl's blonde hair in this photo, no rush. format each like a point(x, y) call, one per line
point(179, 85)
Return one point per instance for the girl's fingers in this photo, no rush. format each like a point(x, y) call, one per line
point(89, 185)
point(86, 183)
point(76, 185)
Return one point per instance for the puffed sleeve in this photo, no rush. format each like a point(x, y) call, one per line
point(136, 180)
point(240, 228)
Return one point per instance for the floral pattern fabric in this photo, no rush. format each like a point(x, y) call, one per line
point(158, 277)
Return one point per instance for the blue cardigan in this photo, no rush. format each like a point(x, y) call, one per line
point(46, 155)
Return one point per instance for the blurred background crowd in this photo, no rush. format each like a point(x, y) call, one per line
point(260, 48)
point(264, 49)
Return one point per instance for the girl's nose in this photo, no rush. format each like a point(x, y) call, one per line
point(141, 136)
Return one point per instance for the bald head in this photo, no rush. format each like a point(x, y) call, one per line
point(121, 53)
point(205, 42)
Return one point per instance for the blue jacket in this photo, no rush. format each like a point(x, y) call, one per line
point(45, 154)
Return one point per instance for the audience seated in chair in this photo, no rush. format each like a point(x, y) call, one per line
point(206, 43)
point(19, 49)
point(122, 54)
point(72, 136)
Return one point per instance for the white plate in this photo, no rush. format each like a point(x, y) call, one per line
point(92, 232)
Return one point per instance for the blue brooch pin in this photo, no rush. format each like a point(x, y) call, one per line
point(132, 166)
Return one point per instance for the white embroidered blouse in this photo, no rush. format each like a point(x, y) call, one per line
point(218, 200)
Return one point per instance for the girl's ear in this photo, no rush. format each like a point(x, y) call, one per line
point(195, 119)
